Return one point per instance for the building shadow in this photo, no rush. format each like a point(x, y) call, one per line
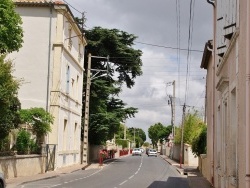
point(171, 182)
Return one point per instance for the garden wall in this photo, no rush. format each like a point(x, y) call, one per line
point(22, 165)
point(189, 158)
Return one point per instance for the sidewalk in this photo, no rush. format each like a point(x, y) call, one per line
point(195, 178)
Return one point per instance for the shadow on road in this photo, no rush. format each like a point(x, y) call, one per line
point(172, 182)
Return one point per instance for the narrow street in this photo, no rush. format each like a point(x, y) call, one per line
point(132, 172)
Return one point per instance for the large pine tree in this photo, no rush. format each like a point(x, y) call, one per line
point(107, 111)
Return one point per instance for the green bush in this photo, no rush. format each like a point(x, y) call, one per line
point(5, 144)
point(199, 144)
point(23, 142)
point(123, 143)
point(33, 146)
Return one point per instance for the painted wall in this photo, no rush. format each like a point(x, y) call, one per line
point(31, 61)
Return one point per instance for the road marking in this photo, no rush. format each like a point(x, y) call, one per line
point(123, 182)
point(56, 185)
point(134, 174)
point(131, 177)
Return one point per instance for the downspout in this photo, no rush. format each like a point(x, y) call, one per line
point(49, 52)
point(213, 93)
point(49, 62)
point(212, 2)
point(247, 177)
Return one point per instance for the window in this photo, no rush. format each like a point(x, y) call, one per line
point(79, 52)
point(73, 86)
point(75, 137)
point(226, 24)
point(77, 87)
point(67, 79)
point(70, 38)
point(233, 134)
point(65, 134)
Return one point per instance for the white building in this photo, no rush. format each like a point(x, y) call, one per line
point(51, 65)
point(227, 60)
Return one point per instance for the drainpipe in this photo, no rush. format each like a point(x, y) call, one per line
point(49, 62)
point(247, 177)
point(212, 2)
point(213, 94)
point(49, 52)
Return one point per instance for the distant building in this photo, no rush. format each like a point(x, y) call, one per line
point(227, 60)
point(51, 65)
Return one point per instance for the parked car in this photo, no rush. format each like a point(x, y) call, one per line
point(152, 152)
point(136, 151)
point(2, 181)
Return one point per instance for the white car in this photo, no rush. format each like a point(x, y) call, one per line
point(136, 151)
point(152, 152)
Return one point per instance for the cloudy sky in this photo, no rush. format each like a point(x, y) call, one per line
point(161, 26)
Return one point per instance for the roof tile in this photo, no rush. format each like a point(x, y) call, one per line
point(39, 1)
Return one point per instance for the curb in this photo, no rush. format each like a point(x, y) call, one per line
point(181, 171)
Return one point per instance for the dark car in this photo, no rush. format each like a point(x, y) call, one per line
point(2, 181)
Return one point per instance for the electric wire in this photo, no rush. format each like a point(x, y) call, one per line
point(178, 15)
point(189, 47)
point(169, 47)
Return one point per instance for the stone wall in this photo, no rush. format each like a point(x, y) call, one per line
point(203, 166)
point(22, 165)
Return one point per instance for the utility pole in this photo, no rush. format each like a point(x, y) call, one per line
point(87, 98)
point(172, 103)
point(86, 115)
point(134, 137)
point(173, 115)
point(125, 135)
point(182, 132)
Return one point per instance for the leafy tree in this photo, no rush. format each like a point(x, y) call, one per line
point(106, 109)
point(9, 103)
point(193, 125)
point(11, 32)
point(39, 119)
point(138, 134)
point(123, 143)
point(165, 133)
point(146, 144)
point(120, 132)
point(157, 132)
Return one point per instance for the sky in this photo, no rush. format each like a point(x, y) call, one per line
point(161, 26)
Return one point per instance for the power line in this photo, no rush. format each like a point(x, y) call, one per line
point(168, 47)
point(189, 46)
point(72, 7)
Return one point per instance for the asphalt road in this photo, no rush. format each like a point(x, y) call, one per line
point(128, 172)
